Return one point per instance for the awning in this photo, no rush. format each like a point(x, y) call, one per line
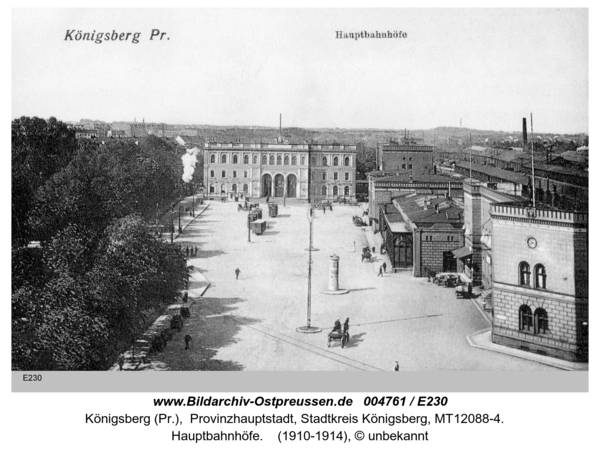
point(462, 252)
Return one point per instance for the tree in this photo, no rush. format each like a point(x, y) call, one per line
point(40, 148)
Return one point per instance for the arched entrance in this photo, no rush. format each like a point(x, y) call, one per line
point(403, 257)
point(266, 185)
point(291, 186)
point(279, 186)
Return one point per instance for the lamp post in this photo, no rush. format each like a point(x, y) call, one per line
point(179, 228)
point(308, 328)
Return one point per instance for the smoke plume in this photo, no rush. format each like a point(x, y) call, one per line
point(189, 163)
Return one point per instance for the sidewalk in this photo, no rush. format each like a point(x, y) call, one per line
point(136, 358)
point(483, 340)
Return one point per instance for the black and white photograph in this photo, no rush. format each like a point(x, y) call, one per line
point(396, 190)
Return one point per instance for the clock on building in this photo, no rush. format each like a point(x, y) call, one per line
point(531, 242)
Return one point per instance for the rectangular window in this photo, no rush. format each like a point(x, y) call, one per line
point(324, 176)
point(409, 166)
point(235, 174)
point(245, 174)
point(223, 173)
point(212, 173)
point(347, 176)
point(404, 166)
point(335, 176)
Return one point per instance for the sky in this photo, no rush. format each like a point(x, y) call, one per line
point(486, 67)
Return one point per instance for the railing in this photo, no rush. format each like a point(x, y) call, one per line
point(540, 214)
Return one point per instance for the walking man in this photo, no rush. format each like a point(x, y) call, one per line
point(188, 340)
point(195, 251)
point(237, 273)
point(397, 367)
point(187, 252)
point(380, 271)
point(384, 265)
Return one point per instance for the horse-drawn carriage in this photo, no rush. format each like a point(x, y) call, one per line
point(339, 333)
point(338, 336)
point(366, 255)
point(247, 207)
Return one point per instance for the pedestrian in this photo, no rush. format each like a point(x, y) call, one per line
point(323, 208)
point(384, 265)
point(188, 340)
point(470, 289)
point(373, 250)
point(331, 207)
point(380, 271)
point(121, 361)
point(187, 252)
point(237, 273)
point(195, 251)
point(397, 367)
point(185, 297)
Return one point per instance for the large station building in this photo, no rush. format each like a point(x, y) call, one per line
point(279, 169)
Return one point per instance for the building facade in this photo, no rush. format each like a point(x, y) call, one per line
point(406, 157)
point(540, 280)
point(383, 188)
point(420, 232)
point(280, 170)
point(478, 200)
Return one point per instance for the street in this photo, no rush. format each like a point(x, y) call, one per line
point(250, 323)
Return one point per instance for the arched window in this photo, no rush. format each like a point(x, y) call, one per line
point(324, 161)
point(346, 191)
point(255, 159)
point(246, 160)
point(335, 191)
point(212, 188)
point(279, 160)
point(234, 188)
point(272, 160)
point(302, 160)
point(540, 317)
point(212, 173)
point(294, 160)
point(223, 188)
point(336, 161)
point(525, 318)
point(213, 158)
point(264, 160)
point(235, 159)
point(347, 161)
point(223, 158)
point(324, 190)
point(286, 160)
point(524, 274)
point(245, 188)
point(540, 276)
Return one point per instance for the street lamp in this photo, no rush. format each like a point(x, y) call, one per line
point(308, 328)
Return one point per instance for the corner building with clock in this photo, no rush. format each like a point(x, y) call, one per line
point(257, 170)
point(535, 262)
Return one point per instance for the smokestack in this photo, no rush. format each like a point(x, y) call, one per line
point(524, 132)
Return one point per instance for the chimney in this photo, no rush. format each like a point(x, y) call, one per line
point(524, 132)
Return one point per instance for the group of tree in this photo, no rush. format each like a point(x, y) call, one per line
point(99, 273)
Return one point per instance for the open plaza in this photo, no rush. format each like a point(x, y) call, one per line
point(250, 323)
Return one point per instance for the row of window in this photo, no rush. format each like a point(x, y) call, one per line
point(536, 322)
point(336, 176)
point(270, 160)
point(336, 191)
point(539, 271)
point(449, 238)
point(224, 174)
point(234, 188)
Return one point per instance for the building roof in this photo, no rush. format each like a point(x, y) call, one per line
point(509, 176)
